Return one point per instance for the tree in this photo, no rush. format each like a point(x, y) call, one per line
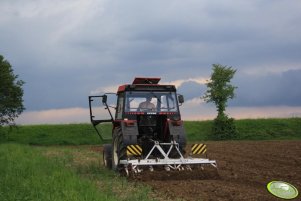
point(219, 91)
point(11, 94)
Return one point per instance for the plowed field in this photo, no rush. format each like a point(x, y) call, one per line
point(244, 169)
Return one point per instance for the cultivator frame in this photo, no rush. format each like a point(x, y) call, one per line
point(180, 163)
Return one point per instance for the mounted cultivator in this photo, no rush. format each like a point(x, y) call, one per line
point(164, 159)
point(148, 132)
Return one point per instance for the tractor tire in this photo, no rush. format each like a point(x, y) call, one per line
point(107, 156)
point(182, 145)
point(118, 150)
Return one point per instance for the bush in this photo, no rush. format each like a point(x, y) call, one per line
point(224, 128)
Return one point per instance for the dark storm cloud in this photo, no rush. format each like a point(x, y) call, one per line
point(272, 89)
point(66, 49)
point(281, 89)
point(191, 90)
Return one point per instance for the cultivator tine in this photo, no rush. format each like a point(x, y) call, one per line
point(180, 168)
point(167, 168)
point(214, 165)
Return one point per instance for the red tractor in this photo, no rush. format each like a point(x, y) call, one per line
point(147, 129)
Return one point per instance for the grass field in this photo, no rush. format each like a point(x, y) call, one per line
point(64, 134)
point(250, 129)
point(79, 134)
point(60, 174)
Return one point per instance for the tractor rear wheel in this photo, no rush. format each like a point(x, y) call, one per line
point(182, 144)
point(118, 150)
point(107, 156)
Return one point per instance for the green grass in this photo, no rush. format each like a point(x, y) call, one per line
point(60, 174)
point(250, 129)
point(27, 175)
point(269, 129)
point(63, 134)
point(198, 130)
point(78, 134)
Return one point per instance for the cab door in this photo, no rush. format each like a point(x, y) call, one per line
point(120, 107)
point(98, 106)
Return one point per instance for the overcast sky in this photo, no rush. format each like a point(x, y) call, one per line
point(66, 50)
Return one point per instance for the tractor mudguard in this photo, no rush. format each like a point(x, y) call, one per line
point(176, 129)
point(129, 132)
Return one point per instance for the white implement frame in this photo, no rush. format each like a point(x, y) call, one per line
point(165, 160)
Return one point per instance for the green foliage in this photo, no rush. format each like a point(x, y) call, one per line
point(198, 130)
point(269, 129)
point(219, 90)
point(59, 174)
point(248, 129)
point(11, 93)
point(4, 133)
point(62, 134)
point(85, 162)
point(224, 128)
point(27, 175)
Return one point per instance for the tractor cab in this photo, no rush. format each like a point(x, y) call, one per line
point(145, 96)
point(148, 105)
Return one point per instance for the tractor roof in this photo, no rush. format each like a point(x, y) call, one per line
point(144, 83)
point(146, 80)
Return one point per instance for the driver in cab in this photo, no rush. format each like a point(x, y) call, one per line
point(147, 105)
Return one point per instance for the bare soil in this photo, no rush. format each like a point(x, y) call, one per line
point(244, 170)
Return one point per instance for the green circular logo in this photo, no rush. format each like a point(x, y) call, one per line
point(282, 190)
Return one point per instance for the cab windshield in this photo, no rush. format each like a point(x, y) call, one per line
point(151, 102)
